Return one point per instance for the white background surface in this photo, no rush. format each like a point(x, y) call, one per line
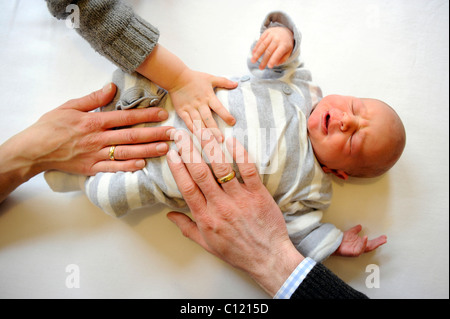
point(396, 51)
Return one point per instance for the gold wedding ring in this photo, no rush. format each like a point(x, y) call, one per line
point(227, 178)
point(111, 153)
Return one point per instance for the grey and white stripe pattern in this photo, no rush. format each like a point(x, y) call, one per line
point(271, 108)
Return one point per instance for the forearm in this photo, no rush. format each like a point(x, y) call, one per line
point(163, 68)
point(15, 169)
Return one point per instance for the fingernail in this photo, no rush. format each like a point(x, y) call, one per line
point(107, 88)
point(140, 163)
point(172, 156)
point(162, 148)
point(170, 133)
point(163, 115)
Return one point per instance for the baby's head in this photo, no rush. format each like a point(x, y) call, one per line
point(355, 136)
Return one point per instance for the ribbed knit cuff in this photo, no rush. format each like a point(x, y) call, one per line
point(112, 29)
point(134, 45)
point(321, 283)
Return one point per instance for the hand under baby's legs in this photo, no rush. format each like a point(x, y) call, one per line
point(353, 245)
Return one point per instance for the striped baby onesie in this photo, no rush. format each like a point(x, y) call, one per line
point(271, 108)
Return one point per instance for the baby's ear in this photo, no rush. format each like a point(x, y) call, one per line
point(339, 173)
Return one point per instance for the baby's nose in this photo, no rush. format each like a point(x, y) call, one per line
point(348, 122)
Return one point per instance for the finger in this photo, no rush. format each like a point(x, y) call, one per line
point(198, 170)
point(116, 166)
point(375, 243)
point(136, 135)
point(128, 152)
point(364, 244)
point(213, 151)
point(221, 82)
point(224, 114)
point(93, 100)
point(206, 116)
point(186, 119)
point(247, 167)
point(188, 228)
point(191, 119)
point(355, 229)
point(276, 57)
point(259, 42)
point(131, 117)
point(267, 55)
point(285, 58)
point(259, 48)
point(196, 118)
point(209, 122)
point(191, 193)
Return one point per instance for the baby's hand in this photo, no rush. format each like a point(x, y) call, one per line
point(353, 245)
point(193, 98)
point(277, 44)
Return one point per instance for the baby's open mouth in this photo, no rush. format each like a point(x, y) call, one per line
point(326, 121)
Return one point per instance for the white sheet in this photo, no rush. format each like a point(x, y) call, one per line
point(393, 50)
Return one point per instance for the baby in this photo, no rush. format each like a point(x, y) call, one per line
point(295, 136)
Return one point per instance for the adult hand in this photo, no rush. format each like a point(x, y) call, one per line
point(237, 222)
point(72, 139)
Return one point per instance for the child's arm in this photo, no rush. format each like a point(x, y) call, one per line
point(192, 92)
point(353, 245)
point(276, 44)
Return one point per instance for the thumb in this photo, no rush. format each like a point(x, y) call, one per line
point(221, 82)
point(93, 100)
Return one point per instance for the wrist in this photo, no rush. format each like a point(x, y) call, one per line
point(15, 169)
point(182, 78)
point(16, 162)
point(272, 274)
point(163, 68)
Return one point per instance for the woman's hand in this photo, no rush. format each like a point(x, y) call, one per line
point(74, 140)
point(238, 222)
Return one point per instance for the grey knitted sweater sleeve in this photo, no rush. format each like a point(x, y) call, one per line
point(112, 29)
point(321, 283)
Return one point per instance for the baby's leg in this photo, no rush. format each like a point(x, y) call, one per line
point(118, 193)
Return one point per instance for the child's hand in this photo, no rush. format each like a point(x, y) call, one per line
point(193, 98)
point(353, 245)
point(277, 44)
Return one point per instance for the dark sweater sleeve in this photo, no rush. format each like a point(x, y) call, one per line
point(321, 283)
point(112, 29)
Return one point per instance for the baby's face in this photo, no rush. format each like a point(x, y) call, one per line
point(347, 131)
